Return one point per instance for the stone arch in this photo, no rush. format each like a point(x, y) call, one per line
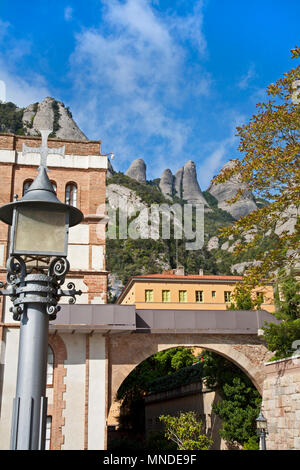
point(127, 351)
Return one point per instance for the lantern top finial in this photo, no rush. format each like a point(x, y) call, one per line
point(41, 193)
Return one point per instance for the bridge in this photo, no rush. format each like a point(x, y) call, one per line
point(134, 335)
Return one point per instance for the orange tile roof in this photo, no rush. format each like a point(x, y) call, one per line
point(189, 276)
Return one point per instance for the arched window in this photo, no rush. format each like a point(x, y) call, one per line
point(50, 366)
point(26, 186)
point(71, 194)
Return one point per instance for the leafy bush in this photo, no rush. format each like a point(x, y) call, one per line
point(240, 401)
point(252, 443)
point(280, 337)
point(11, 118)
point(184, 376)
point(186, 431)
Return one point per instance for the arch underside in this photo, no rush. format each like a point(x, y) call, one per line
point(127, 351)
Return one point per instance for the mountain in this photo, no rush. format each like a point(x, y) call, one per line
point(144, 251)
point(137, 170)
point(152, 254)
point(184, 185)
point(226, 191)
point(48, 114)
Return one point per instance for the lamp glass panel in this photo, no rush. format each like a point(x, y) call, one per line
point(261, 424)
point(40, 231)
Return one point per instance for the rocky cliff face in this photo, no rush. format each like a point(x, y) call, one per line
point(137, 170)
point(226, 191)
point(183, 185)
point(178, 182)
point(110, 170)
point(51, 114)
point(191, 191)
point(166, 184)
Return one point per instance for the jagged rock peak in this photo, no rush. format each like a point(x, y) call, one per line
point(226, 191)
point(110, 170)
point(191, 191)
point(137, 170)
point(178, 183)
point(166, 184)
point(51, 114)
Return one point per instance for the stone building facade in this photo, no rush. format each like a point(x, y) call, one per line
point(281, 404)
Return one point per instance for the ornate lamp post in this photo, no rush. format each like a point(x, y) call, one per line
point(36, 268)
point(261, 424)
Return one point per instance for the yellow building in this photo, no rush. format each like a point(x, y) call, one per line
point(173, 289)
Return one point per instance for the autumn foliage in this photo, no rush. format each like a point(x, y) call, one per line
point(270, 165)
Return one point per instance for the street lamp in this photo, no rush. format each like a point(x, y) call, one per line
point(261, 424)
point(36, 268)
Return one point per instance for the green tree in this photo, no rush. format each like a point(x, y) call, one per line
point(242, 299)
point(186, 431)
point(134, 388)
point(270, 147)
point(11, 118)
point(280, 337)
point(238, 410)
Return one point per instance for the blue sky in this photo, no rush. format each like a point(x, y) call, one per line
point(163, 80)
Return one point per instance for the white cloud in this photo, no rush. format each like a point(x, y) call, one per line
point(246, 80)
point(4, 26)
point(220, 152)
point(131, 72)
point(68, 13)
point(20, 89)
point(191, 27)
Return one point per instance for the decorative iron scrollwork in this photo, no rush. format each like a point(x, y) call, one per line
point(23, 287)
point(59, 267)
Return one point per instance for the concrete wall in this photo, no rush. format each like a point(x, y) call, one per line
point(85, 392)
point(77, 398)
point(74, 396)
point(281, 404)
point(9, 363)
point(183, 399)
point(97, 393)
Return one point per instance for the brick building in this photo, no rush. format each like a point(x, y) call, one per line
point(79, 179)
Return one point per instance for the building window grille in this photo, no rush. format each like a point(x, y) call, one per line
point(48, 432)
point(199, 296)
point(149, 295)
point(166, 296)
point(227, 296)
point(182, 296)
point(50, 366)
point(71, 194)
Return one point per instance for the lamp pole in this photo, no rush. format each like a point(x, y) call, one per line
point(36, 269)
point(261, 424)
